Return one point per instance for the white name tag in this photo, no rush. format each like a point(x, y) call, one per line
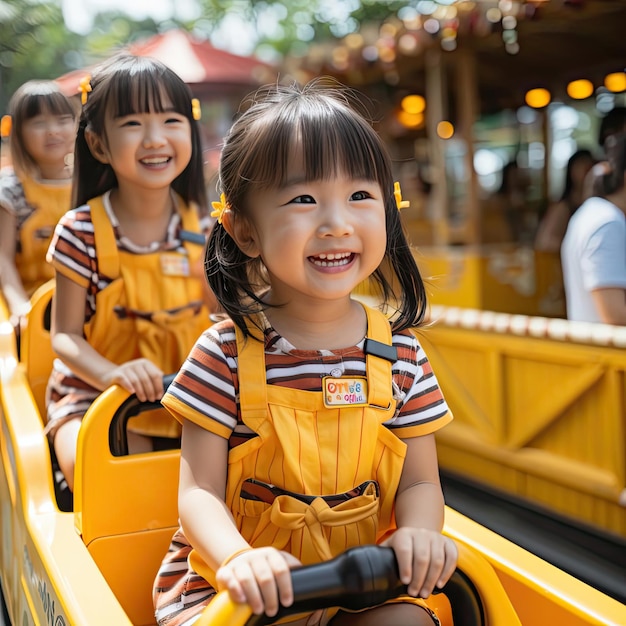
point(174, 264)
point(344, 391)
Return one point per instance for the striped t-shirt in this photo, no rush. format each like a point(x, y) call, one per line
point(208, 387)
point(72, 250)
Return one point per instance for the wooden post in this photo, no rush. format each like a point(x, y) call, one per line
point(545, 137)
point(467, 107)
point(435, 112)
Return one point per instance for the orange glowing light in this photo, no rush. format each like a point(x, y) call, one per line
point(445, 129)
point(580, 89)
point(413, 103)
point(410, 120)
point(615, 82)
point(538, 98)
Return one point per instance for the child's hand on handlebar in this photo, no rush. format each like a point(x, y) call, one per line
point(139, 376)
point(261, 578)
point(426, 559)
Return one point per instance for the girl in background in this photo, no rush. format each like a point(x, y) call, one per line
point(36, 191)
point(308, 418)
point(130, 297)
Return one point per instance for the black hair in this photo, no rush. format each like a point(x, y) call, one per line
point(579, 155)
point(609, 176)
point(613, 122)
point(126, 85)
point(29, 100)
point(505, 183)
point(333, 128)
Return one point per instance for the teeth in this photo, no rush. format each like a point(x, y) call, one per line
point(155, 160)
point(332, 260)
point(331, 256)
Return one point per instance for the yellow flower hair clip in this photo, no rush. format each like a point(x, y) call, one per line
point(5, 125)
point(219, 208)
point(400, 203)
point(85, 88)
point(196, 112)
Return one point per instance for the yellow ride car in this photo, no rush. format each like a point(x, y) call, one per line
point(95, 565)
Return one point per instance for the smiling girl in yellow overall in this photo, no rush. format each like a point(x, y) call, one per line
point(308, 418)
point(130, 297)
point(36, 191)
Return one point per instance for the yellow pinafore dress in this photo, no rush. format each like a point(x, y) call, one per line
point(51, 202)
point(318, 479)
point(152, 309)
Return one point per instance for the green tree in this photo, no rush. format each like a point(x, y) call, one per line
point(288, 26)
point(33, 43)
point(36, 43)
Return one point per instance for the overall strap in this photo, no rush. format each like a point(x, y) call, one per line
point(251, 373)
point(380, 355)
point(190, 234)
point(104, 240)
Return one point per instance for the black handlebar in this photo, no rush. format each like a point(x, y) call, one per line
point(118, 440)
point(363, 577)
point(359, 578)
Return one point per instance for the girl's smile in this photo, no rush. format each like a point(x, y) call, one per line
point(318, 239)
point(332, 260)
point(150, 149)
point(156, 162)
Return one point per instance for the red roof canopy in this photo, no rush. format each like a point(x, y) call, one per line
point(196, 61)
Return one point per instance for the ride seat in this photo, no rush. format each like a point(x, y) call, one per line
point(36, 346)
point(125, 506)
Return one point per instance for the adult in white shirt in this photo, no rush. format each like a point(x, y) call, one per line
point(593, 254)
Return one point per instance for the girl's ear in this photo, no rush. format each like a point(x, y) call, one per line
point(97, 146)
point(242, 233)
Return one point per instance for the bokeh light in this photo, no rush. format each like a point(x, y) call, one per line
point(538, 98)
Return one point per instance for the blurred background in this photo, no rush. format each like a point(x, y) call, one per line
point(481, 102)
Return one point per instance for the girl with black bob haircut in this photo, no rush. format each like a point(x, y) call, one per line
point(331, 123)
point(130, 295)
point(127, 85)
point(308, 418)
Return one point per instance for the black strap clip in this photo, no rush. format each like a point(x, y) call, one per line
point(381, 350)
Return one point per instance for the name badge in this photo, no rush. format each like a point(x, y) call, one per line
point(174, 264)
point(344, 391)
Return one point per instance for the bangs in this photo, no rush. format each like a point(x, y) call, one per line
point(143, 88)
point(51, 102)
point(325, 139)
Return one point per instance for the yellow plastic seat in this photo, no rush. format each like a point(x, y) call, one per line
point(36, 348)
point(125, 507)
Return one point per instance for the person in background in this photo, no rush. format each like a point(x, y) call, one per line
point(503, 218)
point(130, 296)
point(278, 467)
point(554, 223)
point(612, 123)
point(593, 254)
point(35, 191)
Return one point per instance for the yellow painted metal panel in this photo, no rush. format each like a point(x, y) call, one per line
point(505, 278)
point(549, 409)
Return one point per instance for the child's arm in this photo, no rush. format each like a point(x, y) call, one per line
point(257, 576)
point(138, 376)
point(426, 558)
point(16, 297)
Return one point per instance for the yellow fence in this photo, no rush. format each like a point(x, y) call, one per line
point(539, 408)
point(497, 277)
